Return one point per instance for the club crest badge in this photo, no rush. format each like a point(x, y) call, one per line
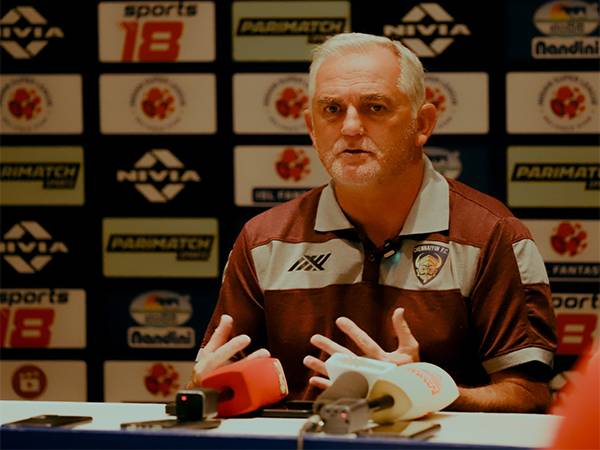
point(428, 260)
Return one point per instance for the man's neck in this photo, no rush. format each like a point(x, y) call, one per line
point(380, 211)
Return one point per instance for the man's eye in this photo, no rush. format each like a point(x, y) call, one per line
point(332, 109)
point(377, 108)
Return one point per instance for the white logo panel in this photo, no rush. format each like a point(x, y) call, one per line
point(570, 248)
point(43, 318)
point(165, 31)
point(43, 380)
point(553, 102)
point(270, 103)
point(164, 103)
point(553, 176)
point(461, 100)
point(41, 104)
point(147, 381)
point(280, 173)
point(285, 31)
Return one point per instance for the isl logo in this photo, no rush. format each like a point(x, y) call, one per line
point(285, 102)
point(162, 379)
point(292, 164)
point(568, 102)
point(26, 104)
point(157, 104)
point(441, 94)
point(569, 239)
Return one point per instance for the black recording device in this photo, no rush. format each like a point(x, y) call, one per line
point(194, 408)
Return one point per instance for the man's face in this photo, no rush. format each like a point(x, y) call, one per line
point(361, 123)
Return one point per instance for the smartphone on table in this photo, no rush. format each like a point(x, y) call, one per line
point(49, 421)
point(407, 429)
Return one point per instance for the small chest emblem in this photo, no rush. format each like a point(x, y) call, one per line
point(428, 260)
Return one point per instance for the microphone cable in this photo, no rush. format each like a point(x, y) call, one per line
point(314, 424)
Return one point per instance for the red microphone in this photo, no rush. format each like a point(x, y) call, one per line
point(247, 385)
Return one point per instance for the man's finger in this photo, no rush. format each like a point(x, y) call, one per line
point(209, 361)
point(406, 341)
point(226, 351)
point(221, 333)
point(315, 364)
point(401, 328)
point(327, 345)
point(320, 382)
point(260, 353)
point(362, 339)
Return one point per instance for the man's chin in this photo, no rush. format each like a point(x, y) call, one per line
point(355, 177)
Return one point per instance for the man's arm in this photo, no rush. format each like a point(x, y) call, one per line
point(517, 389)
point(510, 390)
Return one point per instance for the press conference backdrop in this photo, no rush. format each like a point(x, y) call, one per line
point(139, 136)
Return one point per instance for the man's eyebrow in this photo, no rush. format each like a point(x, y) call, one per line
point(328, 99)
point(375, 97)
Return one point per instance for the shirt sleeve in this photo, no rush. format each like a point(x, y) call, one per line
point(511, 303)
point(240, 297)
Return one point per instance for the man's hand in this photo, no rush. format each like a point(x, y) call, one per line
point(219, 350)
point(407, 351)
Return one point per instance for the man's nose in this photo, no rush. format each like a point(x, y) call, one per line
point(352, 126)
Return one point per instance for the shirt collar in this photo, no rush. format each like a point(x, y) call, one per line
point(429, 213)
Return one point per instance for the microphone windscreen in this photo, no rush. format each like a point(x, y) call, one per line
point(248, 384)
point(347, 385)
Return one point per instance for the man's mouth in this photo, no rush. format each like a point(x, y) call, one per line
point(355, 151)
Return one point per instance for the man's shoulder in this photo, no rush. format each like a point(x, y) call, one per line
point(474, 215)
point(466, 197)
point(290, 221)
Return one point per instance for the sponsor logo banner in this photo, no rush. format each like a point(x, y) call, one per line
point(577, 317)
point(553, 176)
point(27, 247)
point(285, 31)
point(428, 30)
point(160, 315)
point(157, 247)
point(40, 104)
point(147, 381)
point(280, 173)
point(41, 176)
point(158, 175)
point(570, 248)
point(157, 31)
point(270, 103)
point(26, 32)
point(553, 102)
point(42, 318)
point(565, 27)
point(43, 380)
point(165, 103)
point(461, 100)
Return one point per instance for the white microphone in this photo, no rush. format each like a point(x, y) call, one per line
point(417, 388)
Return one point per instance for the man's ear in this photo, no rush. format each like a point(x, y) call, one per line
point(309, 124)
point(426, 119)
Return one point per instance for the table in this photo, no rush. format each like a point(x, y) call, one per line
point(459, 430)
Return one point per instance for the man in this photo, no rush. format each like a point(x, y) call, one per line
point(390, 260)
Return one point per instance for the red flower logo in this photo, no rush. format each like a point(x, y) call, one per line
point(568, 102)
point(162, 379)
point(436, 97)
point(569, 239)
point(292, 164)
point(158, 103)
point(291, 102)
point(25, 104)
